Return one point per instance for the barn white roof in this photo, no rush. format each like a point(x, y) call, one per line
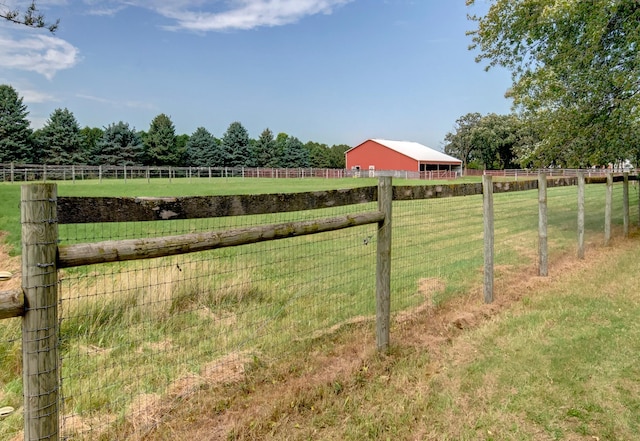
point(417, 151)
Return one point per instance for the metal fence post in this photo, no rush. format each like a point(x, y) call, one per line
point(40, 321)
point(543, 253)
point(383, 264)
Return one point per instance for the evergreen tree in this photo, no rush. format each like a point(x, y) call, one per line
point(160, 142)
point(294, 154)
point(15, 134)
point(60, 139)
point(203, 149)
point(235, 146)
point(264, 149)
point(119, 145)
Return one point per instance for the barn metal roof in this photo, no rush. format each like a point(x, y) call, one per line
point(418, 151)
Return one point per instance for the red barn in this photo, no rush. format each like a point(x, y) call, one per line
point(382, 154)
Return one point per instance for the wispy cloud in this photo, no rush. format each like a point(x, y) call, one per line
point(214, 15)
point(115, 103)
point(43, 54)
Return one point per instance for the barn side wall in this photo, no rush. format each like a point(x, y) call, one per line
point(382, 158)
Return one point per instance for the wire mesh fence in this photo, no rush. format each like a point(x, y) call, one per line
point(137, 338)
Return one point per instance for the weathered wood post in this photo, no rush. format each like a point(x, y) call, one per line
point(383, 264)
point(608, 207)
point(581, 184)
point(625, 204)
point(543, 253)
point(40, 320)
point(487, 191)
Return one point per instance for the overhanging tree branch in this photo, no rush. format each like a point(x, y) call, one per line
point(31, 17)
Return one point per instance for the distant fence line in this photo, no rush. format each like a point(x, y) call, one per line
point(12, 172)
point(42, 210)
point(551, 172)
point(47, 172)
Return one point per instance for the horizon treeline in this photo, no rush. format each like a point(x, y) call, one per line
point(62, 141)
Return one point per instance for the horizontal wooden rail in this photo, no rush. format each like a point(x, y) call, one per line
point(77, 210)
point(134, 249)
point(11, 303)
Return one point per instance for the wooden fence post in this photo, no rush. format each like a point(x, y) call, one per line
point(543, 254)
point(625, 204)
point(383, 264)
point(581, 184)
point(487, 191)
point(40, 321)
point(608, 207)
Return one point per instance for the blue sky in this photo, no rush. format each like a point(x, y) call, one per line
point(330, 71)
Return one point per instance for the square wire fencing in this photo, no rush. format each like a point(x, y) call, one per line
point(137, 338)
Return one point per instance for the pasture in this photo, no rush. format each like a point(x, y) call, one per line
point(134, 336)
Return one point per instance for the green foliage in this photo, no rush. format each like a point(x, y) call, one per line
point(15, 133)
point(235, 146)
point(263, 152)
point(490, 141)
point(91, 136)
point(575, 70)
point(294, 153)
point(60, 140)
point(119, 145)
point(202, 149)
point(160, 142)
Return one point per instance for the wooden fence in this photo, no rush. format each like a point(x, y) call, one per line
point(42, 257)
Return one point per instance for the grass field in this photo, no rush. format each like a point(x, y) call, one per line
point(134, 334)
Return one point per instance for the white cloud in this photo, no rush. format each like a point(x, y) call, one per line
point(203, 16)
point(43, 54)
point(33, 96)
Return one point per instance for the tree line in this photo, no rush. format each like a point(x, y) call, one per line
point(62, 141)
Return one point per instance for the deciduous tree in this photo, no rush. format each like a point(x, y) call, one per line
point(575, 70)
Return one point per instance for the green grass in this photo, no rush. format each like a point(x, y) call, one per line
point(559, 365)
point(126, 327)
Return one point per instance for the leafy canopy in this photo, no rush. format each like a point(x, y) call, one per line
point(575, 70)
